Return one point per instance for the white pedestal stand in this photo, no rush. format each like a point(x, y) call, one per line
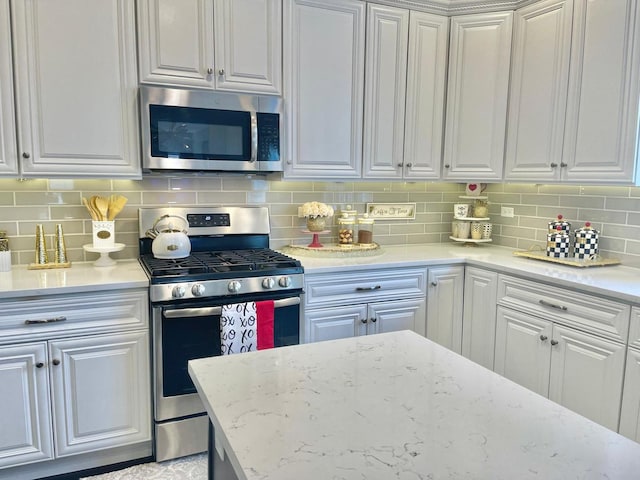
point(105, 260)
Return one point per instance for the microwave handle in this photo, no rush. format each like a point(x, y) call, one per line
point(217, 311)
point(254, 137)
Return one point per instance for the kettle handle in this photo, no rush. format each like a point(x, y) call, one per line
point(164, 217)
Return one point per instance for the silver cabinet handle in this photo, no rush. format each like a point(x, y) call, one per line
point(543, 337)
point(217, 311)
point(563, 164)
point(56, 361)
point(400, 165)
point(434, 284)
point(209, 71)
point(364, 320)
point(368, 289)
point(409, 165)
point(26, 155)
point(553, 305)
point(374, 320)
point(39, 365)
point(554, 342)
point(447, 166)
point(45, 320)
point(221, 71)
point(553, 164)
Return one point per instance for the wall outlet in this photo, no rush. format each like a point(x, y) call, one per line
point(300, 215)
point(506, 212)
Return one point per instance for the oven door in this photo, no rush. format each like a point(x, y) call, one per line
point(186, 332)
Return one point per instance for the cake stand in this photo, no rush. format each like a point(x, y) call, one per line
point(315, 241)
point(104, 260)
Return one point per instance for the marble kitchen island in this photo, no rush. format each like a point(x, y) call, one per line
point(393, 405)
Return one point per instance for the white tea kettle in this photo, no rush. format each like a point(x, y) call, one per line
point(169, 241)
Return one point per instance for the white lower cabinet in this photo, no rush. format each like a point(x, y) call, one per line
point(25, 415)
point(548, 350)
point(344, 304)
point(630, 412)
point(353, 320)
point(444, 306)
point(73, 391)
point(479, 315)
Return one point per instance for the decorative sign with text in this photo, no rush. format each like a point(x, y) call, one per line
point(392, 211)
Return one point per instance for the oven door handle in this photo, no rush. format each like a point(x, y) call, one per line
point(217, 311)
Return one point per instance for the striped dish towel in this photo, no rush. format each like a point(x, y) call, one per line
point(246, 327)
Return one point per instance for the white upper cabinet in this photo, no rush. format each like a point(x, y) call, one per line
point(479, 62)
point(76, 87)
point(426, 87)
point(601, 129)
point(8, 153)
point(538, 92)
point(233, 45)
point(385, 87)
point(324, 84)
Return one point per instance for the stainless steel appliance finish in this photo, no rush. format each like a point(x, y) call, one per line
point(220, 117)
point(230, 262)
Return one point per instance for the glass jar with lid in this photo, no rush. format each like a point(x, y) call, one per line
point(365, 230)
point(346, 229)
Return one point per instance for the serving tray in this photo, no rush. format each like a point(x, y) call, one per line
point(598, 261)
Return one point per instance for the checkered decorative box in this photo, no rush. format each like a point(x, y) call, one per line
point(558, 244)
point(586, 243)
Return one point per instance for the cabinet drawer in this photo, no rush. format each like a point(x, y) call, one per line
point(39, 318)
point(373, 285)
point(587, 312)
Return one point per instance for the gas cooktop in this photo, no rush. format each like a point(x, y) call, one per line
point(220, 265)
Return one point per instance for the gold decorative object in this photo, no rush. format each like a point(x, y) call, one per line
point(60, 247)
point(42, 258)
point(41, 246)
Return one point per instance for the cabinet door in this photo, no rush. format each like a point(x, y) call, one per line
point(324, 82)
point(630, 413)
point(25, 416)
point(333, 323)
point(479, 316)
point(100, 387)
point(523, 349)
point(76, 87)
point(538, 91)
point(587, 374)
point(385, 86)
point(444, 306)
point(426, 83)
point(248, 45)
point(477, 96)
point(407, 314)
point(604, 88)
point(175, 42)
point(8, 152)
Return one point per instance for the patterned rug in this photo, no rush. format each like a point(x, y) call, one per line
point(187, 468)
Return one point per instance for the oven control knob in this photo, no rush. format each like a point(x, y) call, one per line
point(268, 283)
point(234, 286)
point(285, 282)
point(198, 290)
point(178, 292)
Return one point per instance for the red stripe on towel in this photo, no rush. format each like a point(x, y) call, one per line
point(264, 312)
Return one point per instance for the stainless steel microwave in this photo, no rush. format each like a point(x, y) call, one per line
point(203, 131)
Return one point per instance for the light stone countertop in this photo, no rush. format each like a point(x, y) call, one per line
point(395, 405)
point(80, 277)
point(618, 281)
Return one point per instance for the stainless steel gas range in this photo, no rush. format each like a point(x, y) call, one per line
point(230, 262)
